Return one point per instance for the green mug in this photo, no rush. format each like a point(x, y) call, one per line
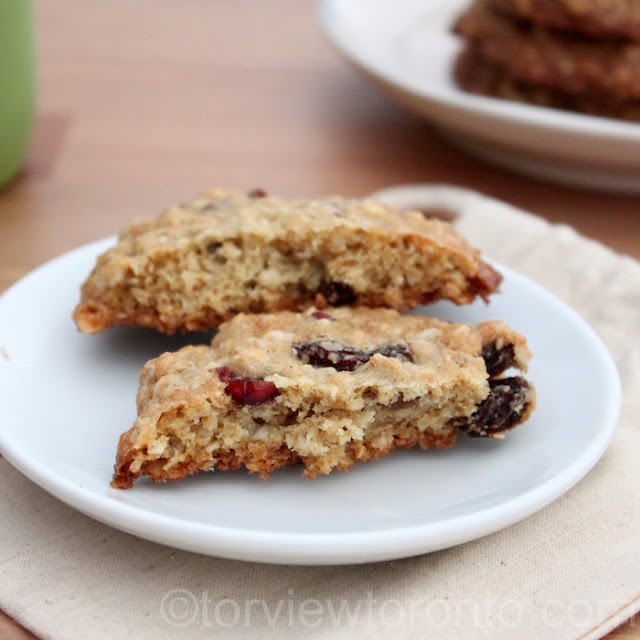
point(17, 84)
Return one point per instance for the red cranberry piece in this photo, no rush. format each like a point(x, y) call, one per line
point(247, 390)
point(321, 315)
point(330, 353)
point(251, 391)
point(257, 193)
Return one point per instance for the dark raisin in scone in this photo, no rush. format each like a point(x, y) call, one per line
point(325, 388)
point(226, 252)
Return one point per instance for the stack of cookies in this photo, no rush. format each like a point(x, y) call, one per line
point(312, 362)
point(580, 55)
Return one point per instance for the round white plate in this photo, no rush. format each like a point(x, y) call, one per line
point(407, 48)
point(66, 397)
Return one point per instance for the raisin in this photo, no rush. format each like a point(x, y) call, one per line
point(257, 193)
point(504, 407)
point(498, 360)
point(337, 294)
point(321, 315)
point(247, 390)
point(401, 351)
point(330, 353)
point(485, 282)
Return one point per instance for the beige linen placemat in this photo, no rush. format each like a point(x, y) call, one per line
point(570, 571)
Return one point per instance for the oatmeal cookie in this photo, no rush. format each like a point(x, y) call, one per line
point(227, 252)
point(324, 388)
point(477, 75)
point(595, 18)
point(606, 71)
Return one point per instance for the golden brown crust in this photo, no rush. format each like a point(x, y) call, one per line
point(225, 252)
point(263, 459)
point(405, 437)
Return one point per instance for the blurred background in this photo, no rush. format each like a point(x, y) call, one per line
point(143, 104)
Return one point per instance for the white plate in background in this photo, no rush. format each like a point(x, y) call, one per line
point(406, 47)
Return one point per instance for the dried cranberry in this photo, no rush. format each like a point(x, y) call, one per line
point(251, 391)
point(321, 315)
point(257, 193)
point(401, 351)
point(330, 353)
point(337, 294)
point(247, 390)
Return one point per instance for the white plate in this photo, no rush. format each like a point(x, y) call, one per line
point(407, 48)
point(66, 397)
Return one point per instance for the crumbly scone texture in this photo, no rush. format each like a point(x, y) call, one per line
point(325, 388)
point(604, 70)
point(477, 75)
point(200, 263)
point(595, 18)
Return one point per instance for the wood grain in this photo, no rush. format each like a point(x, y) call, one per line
point(10, 630)
point(144, 104)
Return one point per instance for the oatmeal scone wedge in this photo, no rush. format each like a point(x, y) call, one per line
point(324, 388)
point(226, 252)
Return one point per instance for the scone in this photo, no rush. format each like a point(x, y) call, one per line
point(226, 252)
point(324, 388)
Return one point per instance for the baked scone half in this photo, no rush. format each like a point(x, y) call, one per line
point(325, 388)
point(226, 252)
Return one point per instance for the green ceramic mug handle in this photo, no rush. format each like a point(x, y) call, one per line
point(17, 84)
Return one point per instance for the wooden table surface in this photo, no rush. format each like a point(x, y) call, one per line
point(142, 104)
